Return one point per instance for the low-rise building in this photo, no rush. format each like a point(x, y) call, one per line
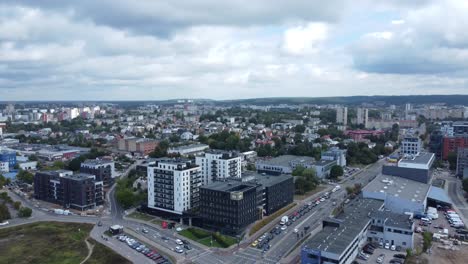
point(401, 195)
point(411, 145)
point(337, 154)
point(187, 150)
point(284, 164)
point(392, 228)
point(323, 167)
point(79, 191)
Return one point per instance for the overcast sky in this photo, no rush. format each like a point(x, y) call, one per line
point(152, 50)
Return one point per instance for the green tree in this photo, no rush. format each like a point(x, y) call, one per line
point(427, 240)
point(465, 184)
point(4, 213)
point(4, 181)
point(299, 129)
point(452, 159)
point(17, 205)
point(125, 197)
point(336, 171)
point(25, 212)
point(25, 176)
point(298, 171)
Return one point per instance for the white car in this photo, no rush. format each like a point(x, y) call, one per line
point(393, 248)
point(178, 229)
point(296, 230)
point(179, 250)
point(284, 227)
point(179, 242)
point(4, 223)
point(381, 258)
point(387, 246)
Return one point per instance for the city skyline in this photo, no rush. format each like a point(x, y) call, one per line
point(123, 50)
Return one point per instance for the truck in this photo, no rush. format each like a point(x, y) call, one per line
point(284, 220)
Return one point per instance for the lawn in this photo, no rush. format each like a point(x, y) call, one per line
point(204, 237)
point(141, 216)
point(52, 242)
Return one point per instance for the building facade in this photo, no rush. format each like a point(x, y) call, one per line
point(462, 161)
point(411, 145)
point(78, 191)
point(9, 157)
point(337, 154)
point(284, 164)
point(217, 164)
point(342, 116)
point(104, 170)
point(174, 185)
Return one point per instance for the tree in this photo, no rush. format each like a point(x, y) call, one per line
point(25, 212)
point(17, 205)
point(465, 184)
point(125, 197)
point(25, 176)
point(4, 213)
point(4, 181)
point(452, 159)
point(336, 171)
point(298, 171)
point(299, 129)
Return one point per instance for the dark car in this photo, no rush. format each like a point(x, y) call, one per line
point(402, 256)
point(266, 247)
point(462, 231)
point(397, 261)
point(187, 247)
point(306, 228)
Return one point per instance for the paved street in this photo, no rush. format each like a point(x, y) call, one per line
point(281, 245)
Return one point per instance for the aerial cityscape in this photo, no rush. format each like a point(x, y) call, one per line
point(311, 132)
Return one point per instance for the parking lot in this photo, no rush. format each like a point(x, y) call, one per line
point(388, 256)
point(147, 251)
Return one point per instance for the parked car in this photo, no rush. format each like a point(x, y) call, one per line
point(380, 258)
point(402, 256)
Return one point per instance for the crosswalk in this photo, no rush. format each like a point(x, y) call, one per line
point(248, 256)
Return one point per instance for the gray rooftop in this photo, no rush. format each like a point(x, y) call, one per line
point(264, 180)
point(339, 232)
point(398, 187)
point(229, 186)
point(286, 160)
point(80, 176)
point(185, 147)
point(324, 162)
point(422, 158)
point(96, 162)
point(395, 220)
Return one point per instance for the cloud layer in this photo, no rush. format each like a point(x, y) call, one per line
point(122, 49)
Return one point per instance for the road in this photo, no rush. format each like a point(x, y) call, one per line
point(285, 242)
point(281, 245)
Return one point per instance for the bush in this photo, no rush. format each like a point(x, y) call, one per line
point(17, 205)
point(25, 212)
point(4, 213)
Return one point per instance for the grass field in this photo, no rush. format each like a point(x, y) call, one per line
point(52, 243)
point(141, 216)
point(204, 237)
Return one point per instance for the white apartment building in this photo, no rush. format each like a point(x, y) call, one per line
point(218, 164)
point(173, 185)
point(342, 115)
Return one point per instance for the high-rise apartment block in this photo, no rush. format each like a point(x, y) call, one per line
point(173, 185)
point(219, 164)
point(342, 115)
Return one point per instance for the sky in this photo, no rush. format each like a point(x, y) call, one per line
point(166, 49)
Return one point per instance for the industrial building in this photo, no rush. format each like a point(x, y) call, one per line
point(361, 221)
point(187, 150)
point(284, 164)
point(335, 153)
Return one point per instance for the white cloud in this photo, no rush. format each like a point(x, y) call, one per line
point(305, 39)
point(398, 22)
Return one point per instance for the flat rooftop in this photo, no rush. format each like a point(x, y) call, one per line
point(229, 186)
point(286, 160)
point(398, 187)
point(97, 161)
point(80, 176)
point(324, 162)
point(187, 147)
point(264, 180)
point(421, 158)
point(395, 220)
point(339, 232)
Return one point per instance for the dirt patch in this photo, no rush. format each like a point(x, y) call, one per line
point(448, 256)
